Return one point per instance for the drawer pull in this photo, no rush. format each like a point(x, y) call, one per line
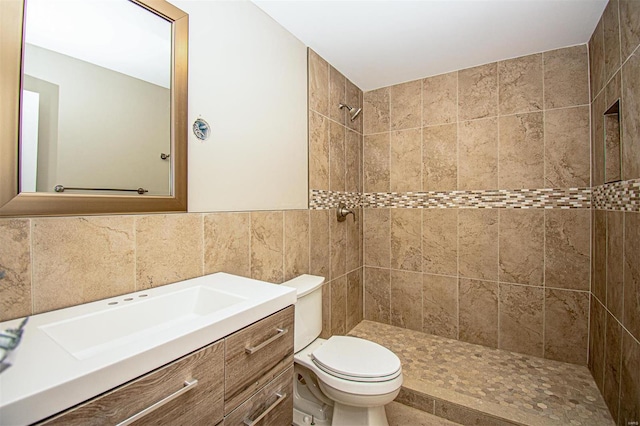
point(279, 399)
point(187, 387)
point(281, 332)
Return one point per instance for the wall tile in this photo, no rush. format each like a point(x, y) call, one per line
point(354, 241)
point(377, 294)
point(612, 354)
point(353, 164)
point(521, 152)
point(339, 306)
point(354, 99)
point(597, 140)
point(377, 237)
point(630, 381)
point(440, 305)
point(566, 77)
point(613, 90)
point(615, 262)
point(296, 243)
point(338, 246)
point(521, 319)
point(355, 312)
point(440, 99)
point(168, 249)
point(599, 255)
point(440, 241)
point(326, 311)
point(318, 83)
point(318, 151)
point(567, 242)
point(478, 154)
point(629, 26)
point(632, 273)
point(319, 248)
point(337, 95)
point(631, 118)
point(596, 60)
point(405, 105)
point(337, 171)
point(521, 246)
point(596, 342)
point(440, 157)
point(406, 239)
point(267, 246)
point(611, 30)
point(567, 160)
point(376, 111)
point(15, 268)
point(73, 256)
point(520, 84)
point(406, 161)
point(376, 154)
point(478, 318)
point(406, 300)
point(478, 244)
point(478, 92)
point(566, 322)
point(227, 243)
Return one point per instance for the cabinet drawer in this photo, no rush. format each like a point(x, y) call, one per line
point(272, 405)
point(256, 355)
point(201, 403)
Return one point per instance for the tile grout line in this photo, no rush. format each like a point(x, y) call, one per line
point(457, 211)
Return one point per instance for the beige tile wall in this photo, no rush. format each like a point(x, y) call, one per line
point(513, 279)
point(614, 343)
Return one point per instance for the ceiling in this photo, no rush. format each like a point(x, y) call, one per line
point(385, 42)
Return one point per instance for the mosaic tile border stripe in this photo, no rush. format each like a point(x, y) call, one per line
point(623, 196)
point(320, 199)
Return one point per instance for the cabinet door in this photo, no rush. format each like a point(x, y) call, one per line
point(256, 355)
point(197, 404)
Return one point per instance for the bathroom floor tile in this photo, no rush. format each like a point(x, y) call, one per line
point(403, 415)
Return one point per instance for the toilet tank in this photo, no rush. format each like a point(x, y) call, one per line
point(308, 316)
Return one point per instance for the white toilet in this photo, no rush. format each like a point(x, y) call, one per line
point(342, 380)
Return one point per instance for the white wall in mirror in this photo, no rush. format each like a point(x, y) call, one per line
point(248, 80)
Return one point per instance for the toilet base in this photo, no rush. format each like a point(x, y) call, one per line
point(301, 418)
point(344, 415)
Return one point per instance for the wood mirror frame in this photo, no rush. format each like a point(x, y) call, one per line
point(14, 203)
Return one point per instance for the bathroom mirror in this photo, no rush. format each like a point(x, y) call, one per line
point(94, 115)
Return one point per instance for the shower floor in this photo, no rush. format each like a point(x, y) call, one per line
point(472, 384)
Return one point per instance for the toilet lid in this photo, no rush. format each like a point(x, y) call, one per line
point(357, 358)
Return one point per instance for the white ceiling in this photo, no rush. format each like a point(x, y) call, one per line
point(385, 42)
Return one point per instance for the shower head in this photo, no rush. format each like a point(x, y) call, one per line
point(352, 110)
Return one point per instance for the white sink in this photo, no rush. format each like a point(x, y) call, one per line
point(73, 354)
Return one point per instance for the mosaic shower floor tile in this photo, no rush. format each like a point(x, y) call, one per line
point(518, 388)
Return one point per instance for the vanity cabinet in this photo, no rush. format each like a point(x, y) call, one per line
point(244, 379)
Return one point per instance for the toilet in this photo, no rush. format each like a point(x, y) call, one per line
point(340, 381)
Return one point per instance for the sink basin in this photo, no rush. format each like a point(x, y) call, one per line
point(71, 355)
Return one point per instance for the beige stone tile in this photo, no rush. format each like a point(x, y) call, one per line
point(296, 243)
point(267, 246)
point(629, 27)
point(567, 148)
point(467, 416)
point(318, 151)
point(478, 154)
point(613, 90)
point(611, 30)
point(440, 157)
point(599, 255)
point(319, 263)
point(376, 163)
point(355, 312)
point(339, 306)
point(326, 310)
point(521, 151)
point(615, 262)
point(376, 111)
point(377, 294)
point(567, 249)
point(521, 245)
point(377, 237)
point(521, 319)
point(405, 105)
point(337, 95)
point(632, 273)
point(353, 164)
point(227, 243)
point(520, 84)
point(440, 305)
point(337, 171)
point(318, 83)
point(82, 259)
point(630, 381)
point(597, 137)
point(15, 268)
point(402, 415)
point(406, 161)
point(440, 99)
point(596, 60)
point(440, 241)
point(354, 240)
point(612, 355)
point(168, 249)
point(478, 312)
point(631, 118)
point(406, 239)
point(354, 99)
point(566, 323)
point(478, 244)
point(596, 342)
point(338, 245)
point(566, 77)
point(415, 399)
point(478, 92)
point(406, 299)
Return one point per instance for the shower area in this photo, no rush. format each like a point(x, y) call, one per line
point(496, 241)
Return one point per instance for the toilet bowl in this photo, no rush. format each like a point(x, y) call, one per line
point(356, 376)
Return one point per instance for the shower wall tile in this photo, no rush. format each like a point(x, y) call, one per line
point(632, 273)
point(521, 246)
point(267, 246)
point(406, 160)
point(318, 84)
point(376, 163)
point(631, 118)
point(566, 77)
point(354, 99)
point(355, 295)
point(353, 161)
point(478, 244)
point(597, 140)
point(440, 241)
point(227, 239)
point(612, 355)
point(440, 157)
point(296, 243)
point(478, 154)
point(611, 34)
point(318, 151)
point(596, 60)
point(339, 306)
point(377, 237)
point(521, 152)
point(599, 255)
point(406, 239)
point(613, 90)
point(521, 319)
point(354, 241)
point(566, 325)
point(567, 242)
point(478, 92)
point(377, 295)
point(440, 99)
point(406, 299)
point(615, 262)
point(520, 88)
point(478, 317)
point(326, 311)
point(376, 111)
point(440, 305)
point(337, 95)
point(338, 246)
point(15, 268)
point(596, 342)
point(405, 105)
point(319, 254)
point(630, 381)
point(337, 173)
point(629, 27)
